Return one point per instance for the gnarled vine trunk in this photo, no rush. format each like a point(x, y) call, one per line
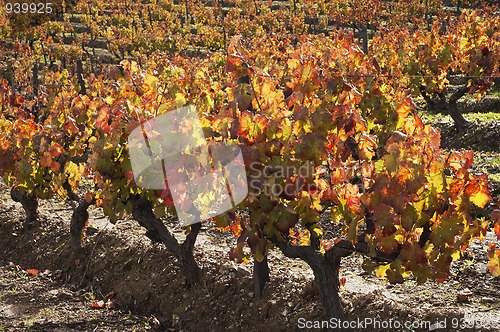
point(442, 104)
point(30, 206)
point(260, 276)
point(78, 219)
point(158, 232)
point(326, 272)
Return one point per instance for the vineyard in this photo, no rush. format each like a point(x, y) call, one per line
point(369, 141)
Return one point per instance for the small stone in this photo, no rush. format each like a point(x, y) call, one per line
point(464, 295)
point(243, 272)
point(486, 299)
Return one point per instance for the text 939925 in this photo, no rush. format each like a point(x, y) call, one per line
point(28, 7)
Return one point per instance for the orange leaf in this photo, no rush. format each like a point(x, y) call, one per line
point(98, 304)
point(32, 272)
point(405, 108)
point(478, 191)
point(236, 229)
point(89, 197)
point(496, 228)
point(232, 62)
point(70, 127)
point(17, 99)
point(494, 262)
point(46, 160)
point(55, 149)
point(342, 281)
point(55, 166)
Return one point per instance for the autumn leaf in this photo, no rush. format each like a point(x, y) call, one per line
point(385, 218)
point(46, 160)
point(404, 108)
point(98, 304)
point(55, 149)
point(382, 270)
point(70, 127)
point(312, 147)
point(32, 272)
point(494, 260)
point(236, 229)
point(55, 166)
point(388, 245)
point(478, 190)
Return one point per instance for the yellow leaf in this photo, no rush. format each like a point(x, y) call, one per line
point(74, 172)
point(382, 270)
point(163, 108)
point(293, 63)
point(437, 181)
point(305, 239)
point(317, 230)
point(480, 199)
point(478, 190)
point(109, 100)
point(179, 100)
point(151, 80)
point(317, 205)
point(456, 255)
point(494, 263)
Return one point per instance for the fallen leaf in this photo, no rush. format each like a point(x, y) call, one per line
point(98, 304)
point(32, 272)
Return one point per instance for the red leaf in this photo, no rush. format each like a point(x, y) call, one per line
point(89, 197)
point(32, 272)
point(17, 100)
point(70, 127)
point(98, 304)
point(313, 189)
